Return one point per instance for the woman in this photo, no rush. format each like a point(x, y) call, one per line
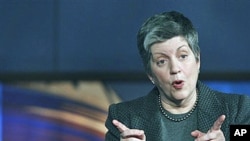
point(180, 107)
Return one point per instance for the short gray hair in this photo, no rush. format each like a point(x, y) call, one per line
point(162, 27)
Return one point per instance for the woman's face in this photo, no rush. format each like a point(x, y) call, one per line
point(174, 69)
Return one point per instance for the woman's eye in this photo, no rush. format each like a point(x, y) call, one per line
point(161, 62)
point(183, 56)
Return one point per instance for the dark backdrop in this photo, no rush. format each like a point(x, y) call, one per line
point(96, 39)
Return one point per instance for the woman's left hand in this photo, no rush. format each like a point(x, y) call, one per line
point(214, 134)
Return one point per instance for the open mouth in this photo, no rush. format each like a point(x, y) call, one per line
point(178, 83)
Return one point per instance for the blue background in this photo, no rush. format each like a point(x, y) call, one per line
point(57, 39)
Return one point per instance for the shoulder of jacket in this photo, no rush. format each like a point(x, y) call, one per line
point(137, 105)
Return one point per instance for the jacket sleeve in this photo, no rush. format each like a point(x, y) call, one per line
point(113, 133)
point(240, 110)
point(243, 115)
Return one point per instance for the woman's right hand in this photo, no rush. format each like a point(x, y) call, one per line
point(129, 134)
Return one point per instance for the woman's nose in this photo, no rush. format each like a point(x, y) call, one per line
point(174, 67)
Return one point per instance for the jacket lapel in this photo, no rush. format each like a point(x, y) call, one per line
point(149, 119)
point(210, 108)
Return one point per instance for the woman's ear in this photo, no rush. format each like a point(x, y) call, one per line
point(151, 78)
point(199, 63)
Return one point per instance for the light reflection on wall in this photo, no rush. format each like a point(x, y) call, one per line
point(34, 114)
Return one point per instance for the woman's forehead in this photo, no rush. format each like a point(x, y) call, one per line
point(171, 45)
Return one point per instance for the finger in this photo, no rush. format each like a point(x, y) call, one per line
point(200, 136)
point(208, 136)
point(121, 127)
point(218, 123)
point(133, 133)
point(197, 133)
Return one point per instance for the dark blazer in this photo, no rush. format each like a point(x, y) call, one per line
point(144, 113)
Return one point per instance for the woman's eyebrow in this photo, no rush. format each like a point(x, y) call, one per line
point(182, 47)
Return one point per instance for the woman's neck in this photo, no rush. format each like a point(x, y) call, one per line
point(181, 106)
